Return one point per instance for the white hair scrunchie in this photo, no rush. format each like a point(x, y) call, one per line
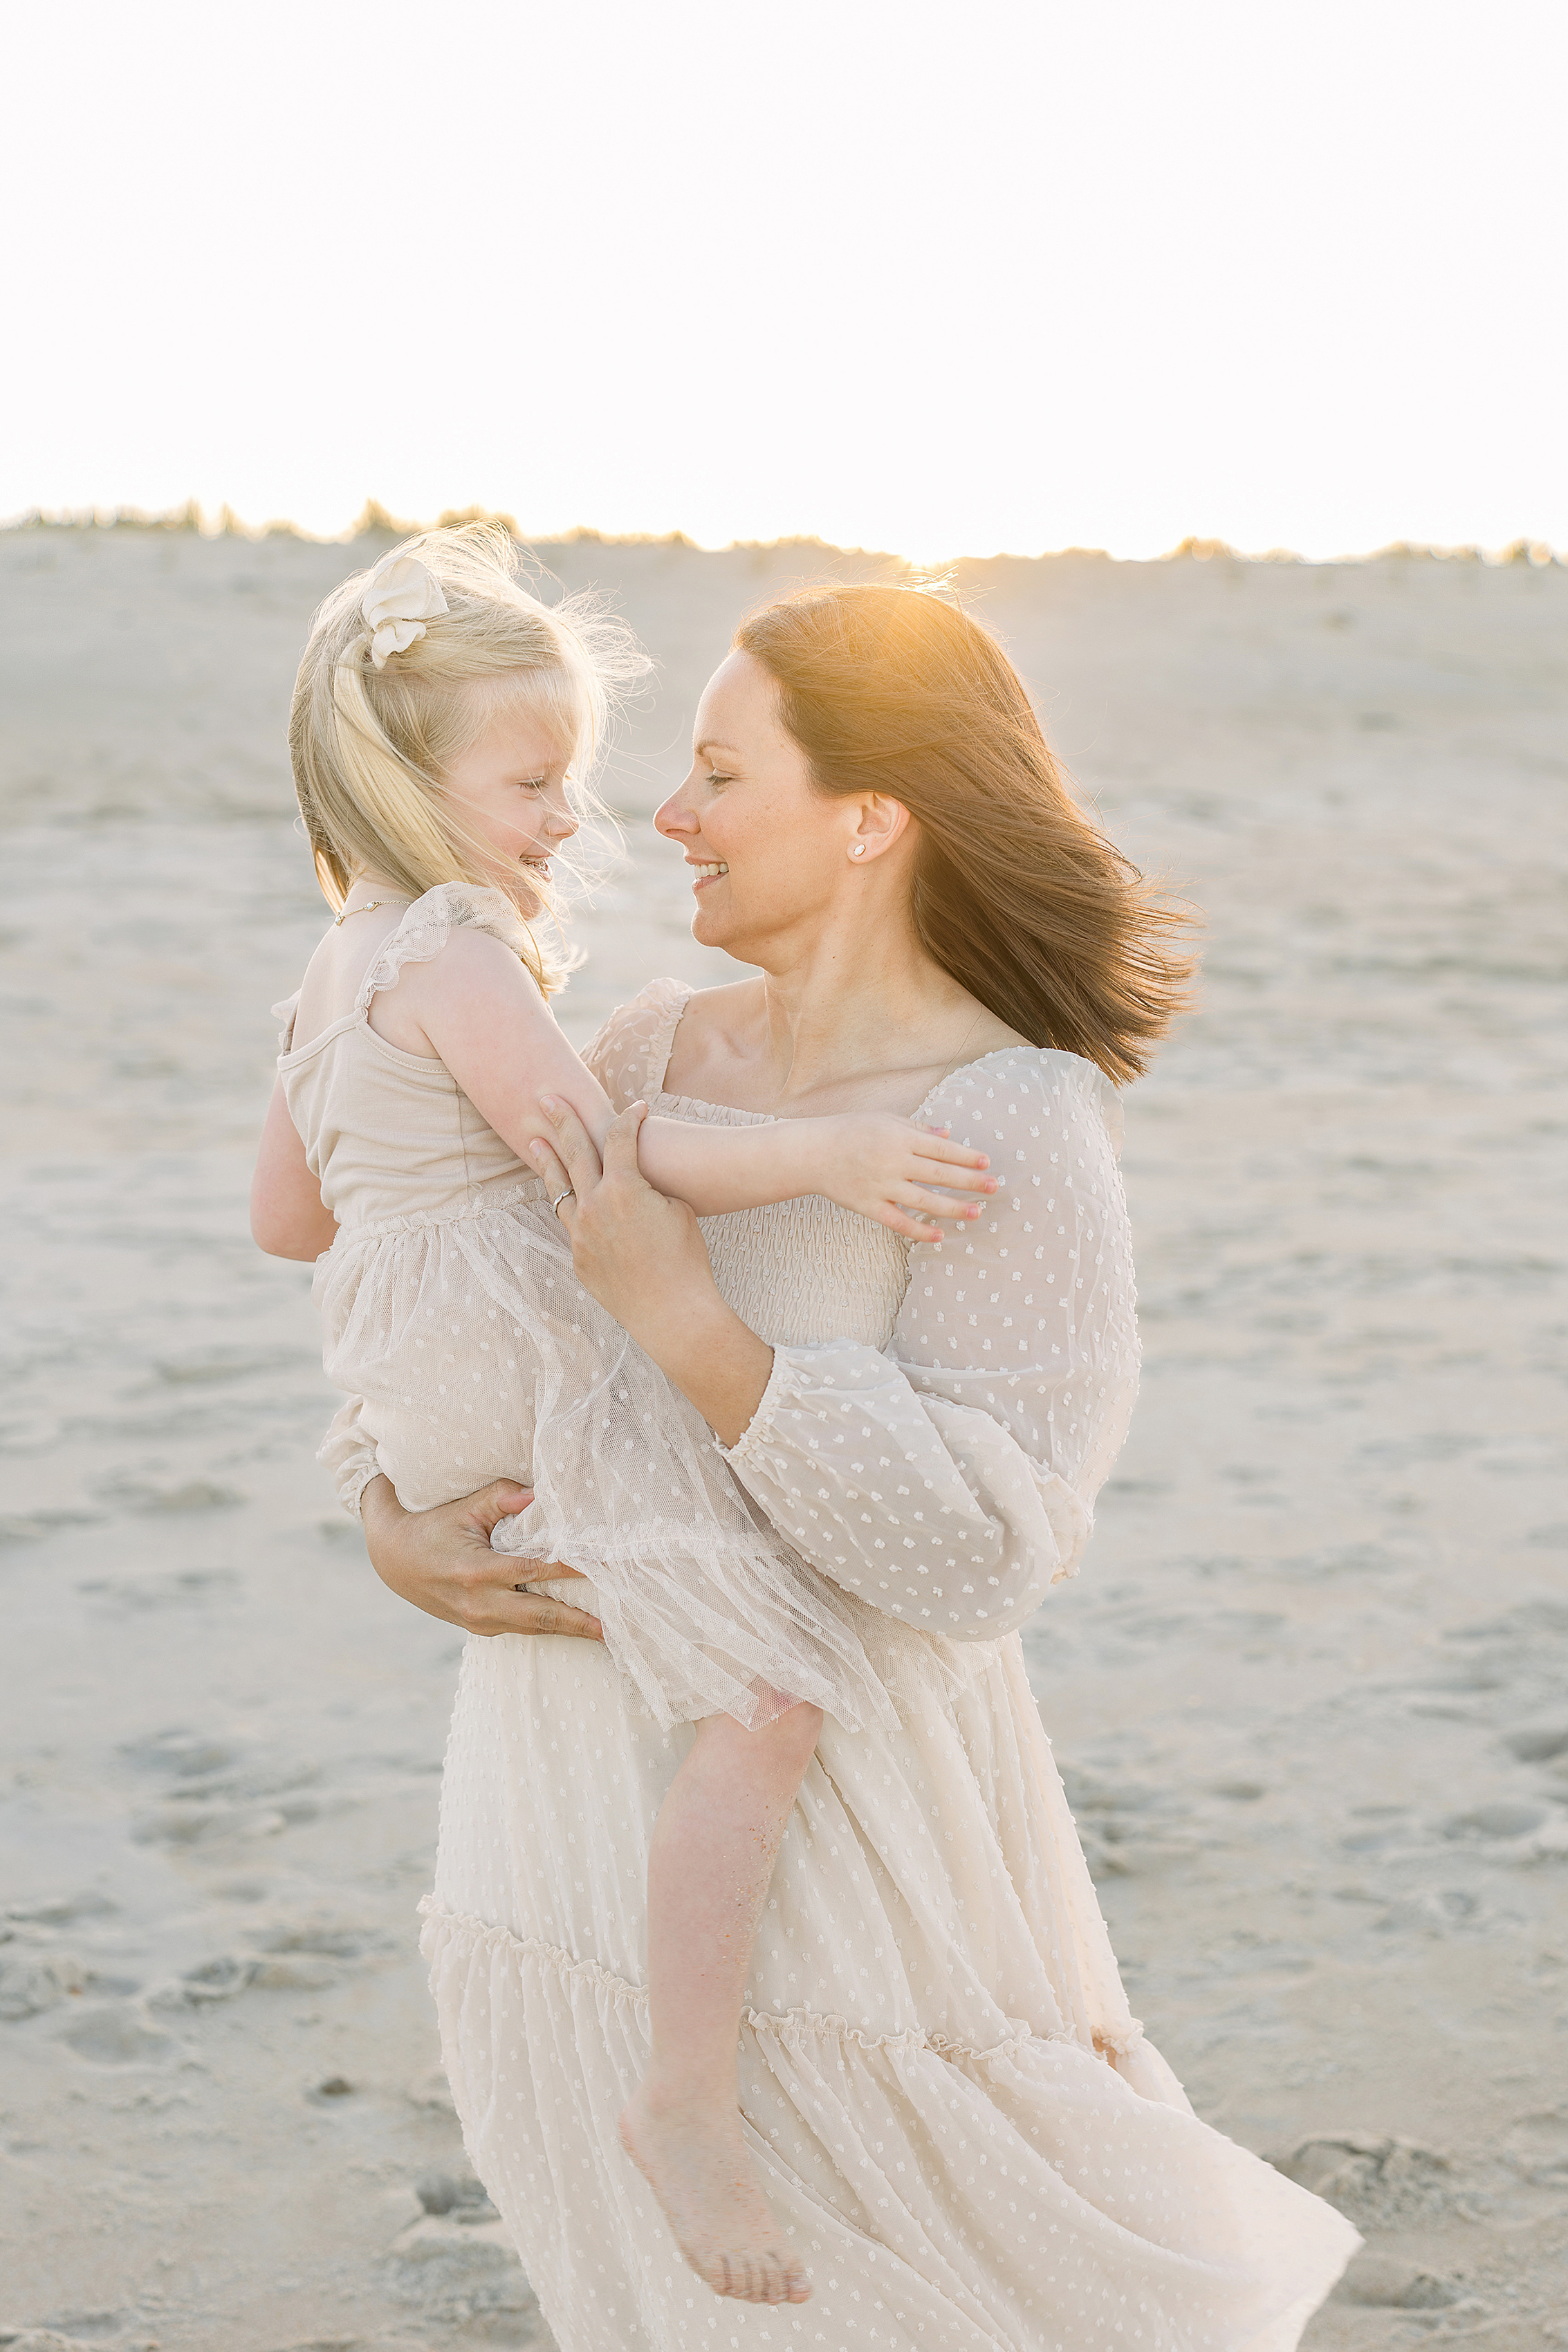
point(401, 598)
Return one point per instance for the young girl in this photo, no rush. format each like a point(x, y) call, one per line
point(439, 715)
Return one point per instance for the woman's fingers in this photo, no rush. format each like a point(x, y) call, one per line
point(501, 1499)
point(494, 1603)
point(502, 1609)
point(621, 1142)
point(536, 1613)
point(556, 1181)
point(573, 1144)
point(441, 1561)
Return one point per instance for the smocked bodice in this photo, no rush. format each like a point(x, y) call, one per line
point(801, 1271)
point(797, 1271)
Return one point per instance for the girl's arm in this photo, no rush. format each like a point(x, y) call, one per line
point(289, 1217)
point(477, 1009)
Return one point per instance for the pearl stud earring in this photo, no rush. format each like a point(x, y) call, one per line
point(859, 849)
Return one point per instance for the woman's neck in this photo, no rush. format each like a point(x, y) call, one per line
point(853, 1002)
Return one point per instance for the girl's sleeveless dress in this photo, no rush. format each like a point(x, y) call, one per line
point(469, 1350)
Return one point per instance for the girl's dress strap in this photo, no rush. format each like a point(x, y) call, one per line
point(429, 923)
point(286, 1012)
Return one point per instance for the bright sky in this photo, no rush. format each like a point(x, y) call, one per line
point(939, 279)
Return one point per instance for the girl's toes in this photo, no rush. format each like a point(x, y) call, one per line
point(797, 2286)
point(734, 2278)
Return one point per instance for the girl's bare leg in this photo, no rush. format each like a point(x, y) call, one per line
point(709, 1865)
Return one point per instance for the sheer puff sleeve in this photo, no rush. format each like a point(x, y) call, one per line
point(630, 1053)
point(950, 1479)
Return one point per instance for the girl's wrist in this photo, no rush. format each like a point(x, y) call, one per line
point(815, 1159)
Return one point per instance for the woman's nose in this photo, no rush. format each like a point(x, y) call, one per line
point(673, 818)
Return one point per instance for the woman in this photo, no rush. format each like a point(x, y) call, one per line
point(961, 2128)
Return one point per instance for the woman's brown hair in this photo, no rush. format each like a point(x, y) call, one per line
point(1017, 894)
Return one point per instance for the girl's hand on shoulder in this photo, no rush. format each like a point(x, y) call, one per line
point(884, 1167)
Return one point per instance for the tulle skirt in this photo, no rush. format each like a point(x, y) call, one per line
point(470, 1350)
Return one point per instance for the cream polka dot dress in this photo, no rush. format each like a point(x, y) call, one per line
point(962, 2131)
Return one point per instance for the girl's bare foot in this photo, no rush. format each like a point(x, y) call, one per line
point(699, 2168)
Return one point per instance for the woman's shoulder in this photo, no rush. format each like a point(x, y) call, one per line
point(1018, 1095)
point(631, 1051)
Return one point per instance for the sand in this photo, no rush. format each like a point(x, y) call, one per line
point(1309, 1693)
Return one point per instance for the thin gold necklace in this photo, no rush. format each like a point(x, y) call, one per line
point(368, 908)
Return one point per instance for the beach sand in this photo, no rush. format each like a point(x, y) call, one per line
point(1309, 1693)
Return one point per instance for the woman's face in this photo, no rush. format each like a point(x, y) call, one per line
point(768, 851)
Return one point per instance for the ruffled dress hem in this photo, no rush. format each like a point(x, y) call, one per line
point(1058, 2241)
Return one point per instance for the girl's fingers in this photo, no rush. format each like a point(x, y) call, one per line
point(956, 1179)
point(899, 1221)
point(914, 1198)
point(936, 1143)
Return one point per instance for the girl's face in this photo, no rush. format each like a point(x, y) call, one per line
point(509, 789)
point(770, 854)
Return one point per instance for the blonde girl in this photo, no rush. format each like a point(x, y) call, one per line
point(444, 722)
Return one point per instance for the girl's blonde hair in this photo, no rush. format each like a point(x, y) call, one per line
point(371, 746)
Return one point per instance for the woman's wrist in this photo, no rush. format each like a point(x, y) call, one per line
point(715, 1359)
point(380, 1514)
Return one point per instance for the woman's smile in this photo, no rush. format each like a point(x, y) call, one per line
point(706, 870)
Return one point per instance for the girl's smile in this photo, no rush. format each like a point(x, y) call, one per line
point(509, 788)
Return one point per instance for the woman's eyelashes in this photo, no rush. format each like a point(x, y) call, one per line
point(718, 777)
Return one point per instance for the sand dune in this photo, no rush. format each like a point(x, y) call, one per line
point(1309, 1693)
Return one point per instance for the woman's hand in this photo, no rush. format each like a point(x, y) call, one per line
point(441, 1561)
point(645, 1259)
point(882, 1167)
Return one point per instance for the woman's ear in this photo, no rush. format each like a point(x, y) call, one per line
point(882, 821)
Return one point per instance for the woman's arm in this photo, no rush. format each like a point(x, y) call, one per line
point(441, 1561)
point(949, 1479)
point(478, 1010)
point(289, 1217)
